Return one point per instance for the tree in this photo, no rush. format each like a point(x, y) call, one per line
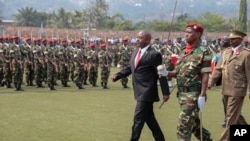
point(243, 16)
point(63, 19)
point(97, 14)
point(26, 17)
point(214, 22)
point(182, 17)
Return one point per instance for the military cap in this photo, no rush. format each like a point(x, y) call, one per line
point(157, 39)
point(92, 45)
point(178, 37)
point(195, 26)
point(75, 55)
point(14, 37)
point(237, 34)
point(103, 45)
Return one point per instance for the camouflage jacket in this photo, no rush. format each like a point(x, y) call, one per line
point(190, 66)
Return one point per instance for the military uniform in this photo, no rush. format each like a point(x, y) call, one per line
point(105, 64)
point(17, 72)
point(93, 64)
point(188, 80)
point(192, 67)
point(234, 67)
point(52, 69)
point(124, 55)
point(39, 67)
point(78, 71)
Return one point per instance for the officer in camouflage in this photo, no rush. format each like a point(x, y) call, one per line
point(105, 60)
point(191, 72)
point(93, 63)
point(124, 56)
point(17, 72)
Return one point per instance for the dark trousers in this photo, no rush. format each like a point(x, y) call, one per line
point(144, 114)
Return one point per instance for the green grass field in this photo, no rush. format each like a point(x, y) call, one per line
point(92, 114)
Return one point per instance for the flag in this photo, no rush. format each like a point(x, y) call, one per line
point(41, 31)
point(213, 63)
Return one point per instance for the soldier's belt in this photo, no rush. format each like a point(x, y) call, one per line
point(189, 89)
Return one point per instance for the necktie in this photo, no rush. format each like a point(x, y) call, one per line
point(138, 57)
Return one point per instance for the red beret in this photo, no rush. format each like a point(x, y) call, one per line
point(195, 26)
point(14, 37)
point(92, 45)
point(103, 45)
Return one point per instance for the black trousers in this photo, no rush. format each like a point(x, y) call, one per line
point(144, 114)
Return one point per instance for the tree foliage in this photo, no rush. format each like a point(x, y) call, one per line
point(96, 16)
point(243, 16)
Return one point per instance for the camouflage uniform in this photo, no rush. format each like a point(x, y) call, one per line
point(29, 66)
point(64, 68)
point(115, 55)
point(1, 66)
point(124, 57)
point(39, 67)
point(189, 69)
point(52, 69)
point(93, 66)
point(17, 72)
point(7, 68)
point(105, 61)
point(78, 71)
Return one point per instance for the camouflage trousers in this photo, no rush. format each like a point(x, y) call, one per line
point(105, 72)
point(189, 121)
point(93, 74)
point(18, 76)
point(78, 76)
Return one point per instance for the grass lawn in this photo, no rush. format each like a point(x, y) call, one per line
point(92, 114)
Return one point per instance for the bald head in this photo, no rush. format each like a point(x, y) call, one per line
point(143, 38)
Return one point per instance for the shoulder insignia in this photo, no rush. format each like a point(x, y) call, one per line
point(246, 49)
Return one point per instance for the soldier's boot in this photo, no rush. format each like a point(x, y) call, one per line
point(66, 84)
point(2, 84)
point(27, 83)
point(31, 83)
point(19, 87)
point(79, 86)
point(85, 82)
point(51, 87)
point(8, 85)
point(104, 86)
point(16, 86)
point(39, 85)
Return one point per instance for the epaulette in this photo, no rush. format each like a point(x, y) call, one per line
point(247, 49)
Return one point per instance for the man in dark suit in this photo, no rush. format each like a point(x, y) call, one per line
point(143, 67)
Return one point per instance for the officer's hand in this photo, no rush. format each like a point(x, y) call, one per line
point(201, 102)
point(166, 97)
point(209, 86)
point(162, 71)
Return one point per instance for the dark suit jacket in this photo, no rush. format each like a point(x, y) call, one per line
point(144, 76)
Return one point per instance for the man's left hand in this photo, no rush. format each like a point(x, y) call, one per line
point(165, 98)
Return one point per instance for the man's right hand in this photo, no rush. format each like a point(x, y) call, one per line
point(114, 77)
